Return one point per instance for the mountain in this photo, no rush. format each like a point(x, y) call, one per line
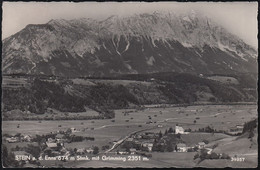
point(138, 44)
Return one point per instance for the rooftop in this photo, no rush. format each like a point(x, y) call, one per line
point(201, 143)
point(181, 145)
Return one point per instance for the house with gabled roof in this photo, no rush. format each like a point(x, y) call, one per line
point(181, 147)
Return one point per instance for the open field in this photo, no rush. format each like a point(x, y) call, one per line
point(127, 121)
point(212, 115)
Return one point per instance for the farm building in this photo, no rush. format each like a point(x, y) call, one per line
point(132, 151)
point(123, 153)
point(81, 151)
point(56, 153)
point(59, 136)
point(74, 130)
point(181, 147)
point(12, 140)
point(50, 140)
point(149, 135)
point(137, 136)
point(90, 150)
point(148, 145)
point(129, 140)
point(236, 129)
point(201, 145)
point(160, 125)
point(137, 143)
point(51, 145)
point(27, 138)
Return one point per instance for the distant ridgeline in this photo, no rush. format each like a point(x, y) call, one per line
point(125, 91)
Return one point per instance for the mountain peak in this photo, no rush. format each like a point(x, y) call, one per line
point(161, 41)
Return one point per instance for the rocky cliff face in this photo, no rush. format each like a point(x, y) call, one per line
point(145, 43)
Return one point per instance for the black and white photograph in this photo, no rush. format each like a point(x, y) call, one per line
point(129, 84)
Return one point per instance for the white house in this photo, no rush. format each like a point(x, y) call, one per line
point(27, 138)
point(51, 144)
point(201, 145)
point(12, 140)
point(50, 140)
point(81, 151)
point(148, 145)
point(180, 130)
point(181, 147)
point(137, 136)
point(132, 151)
point(123, 153)
point(236, 129)
point(129, 139)
point(90, 150)
point(160, 125)
point(73, 130)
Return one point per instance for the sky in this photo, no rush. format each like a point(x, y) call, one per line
point(240, 18)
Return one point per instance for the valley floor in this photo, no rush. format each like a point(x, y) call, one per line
point(130, 122)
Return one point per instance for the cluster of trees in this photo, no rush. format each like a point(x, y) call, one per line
point(168, 143)
point(176, 88)
point(44, 94)
point(249, 127)
point(40, 96)
point(40, 139)
point(112, 96)
point(105, 147)
point(179, 93)
point(95, 150)
point(207, 129)
point(53, 95)
point(8, 158)
point(202, 155)
point(73, 152)
point(74, 138)
point(34, 150)
point(160, 145)
point(183, 88)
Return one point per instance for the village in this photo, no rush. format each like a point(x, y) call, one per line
point(170, 141)
point(150, 133)
point(52, 146)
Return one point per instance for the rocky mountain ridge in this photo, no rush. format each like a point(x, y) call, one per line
point(143, 43)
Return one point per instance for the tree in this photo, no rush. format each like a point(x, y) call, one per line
point(5, 156)
point(196, 156)
point(205, 141)
point(160, 134)
point(214, 146)
point(225, 156)
point(95, 150)
point(166, 132)
point(251, 134)
point(213, 155)
point(178, 136)
point(170, 130)
point(169, 147)
point(8, 158)
point(34, 150)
